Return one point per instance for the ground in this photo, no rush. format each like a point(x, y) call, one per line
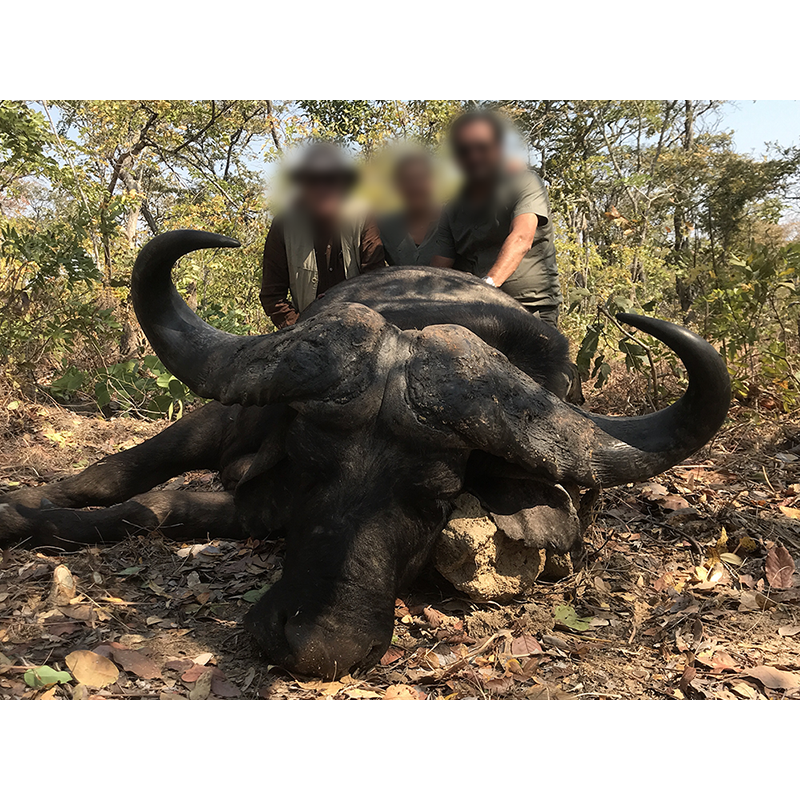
point(688, 591)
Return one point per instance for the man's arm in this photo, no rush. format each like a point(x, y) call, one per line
point(517, 243)
point(371, 250)
point(275, 280)
point(445, 244)
point(531, 208)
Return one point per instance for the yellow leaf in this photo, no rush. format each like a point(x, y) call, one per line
point(747, 544)
point(715, 573)
point(91, 669)
point(202, 687)
point(363, 694)
point(326, 688)
point(722, 542)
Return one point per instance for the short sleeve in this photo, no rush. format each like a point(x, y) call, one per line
point(445, 243)
point(531, 197)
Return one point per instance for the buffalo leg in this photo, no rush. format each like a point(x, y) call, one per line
point(178, 515)
point(194, 442)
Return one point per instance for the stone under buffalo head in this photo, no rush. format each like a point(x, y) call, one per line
point(376, 426)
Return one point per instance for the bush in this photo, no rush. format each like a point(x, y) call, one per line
point(143, 388)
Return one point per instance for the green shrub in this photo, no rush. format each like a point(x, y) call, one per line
point(142, 388)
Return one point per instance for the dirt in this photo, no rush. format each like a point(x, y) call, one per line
point(677, 598)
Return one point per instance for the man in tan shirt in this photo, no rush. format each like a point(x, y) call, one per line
point(321, 239)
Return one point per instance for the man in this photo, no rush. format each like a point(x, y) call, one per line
point(321, 240)
point(499, 225)
point(409, 235)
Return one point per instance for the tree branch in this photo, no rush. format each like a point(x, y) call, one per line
point(140, 144)
point(273, 128)
point(617, 168)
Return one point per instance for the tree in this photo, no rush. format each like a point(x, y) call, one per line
point(367, 125)
point(23, 140)
point(653, 210)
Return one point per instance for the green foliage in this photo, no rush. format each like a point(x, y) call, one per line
point(254, 595)
point(750, 304)
point(55, 252)
point(143, 388)
point(567, 617)
point(147, 389)
point(40, 677)
point(48, 304)
point(69, 384)
point(588, 349)
point(368, 124)
point(228, 319)
point(23, 137)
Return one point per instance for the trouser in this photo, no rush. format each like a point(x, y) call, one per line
point(548, 314)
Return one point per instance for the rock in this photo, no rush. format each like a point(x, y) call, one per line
point(480, 560)
point(493, 556)
point(557, 566)
point(63, 586)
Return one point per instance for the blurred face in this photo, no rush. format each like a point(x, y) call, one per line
point(322, 195)
point(478, 151)
point(414, 183)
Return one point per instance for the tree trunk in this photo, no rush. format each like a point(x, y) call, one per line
point(681, 241)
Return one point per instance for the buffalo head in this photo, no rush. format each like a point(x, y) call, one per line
point(378, 424)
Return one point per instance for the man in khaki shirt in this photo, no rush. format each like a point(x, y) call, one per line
point(498, 227)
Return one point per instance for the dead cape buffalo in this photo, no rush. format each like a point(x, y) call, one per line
point(349, 433)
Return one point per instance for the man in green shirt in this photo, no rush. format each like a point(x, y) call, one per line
point(499, 226)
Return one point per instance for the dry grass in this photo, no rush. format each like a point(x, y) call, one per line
point(39, 442)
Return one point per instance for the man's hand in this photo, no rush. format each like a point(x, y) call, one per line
point(442, 261)
point(517, 243)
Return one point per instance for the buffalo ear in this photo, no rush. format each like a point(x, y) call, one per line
point(542, 514)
